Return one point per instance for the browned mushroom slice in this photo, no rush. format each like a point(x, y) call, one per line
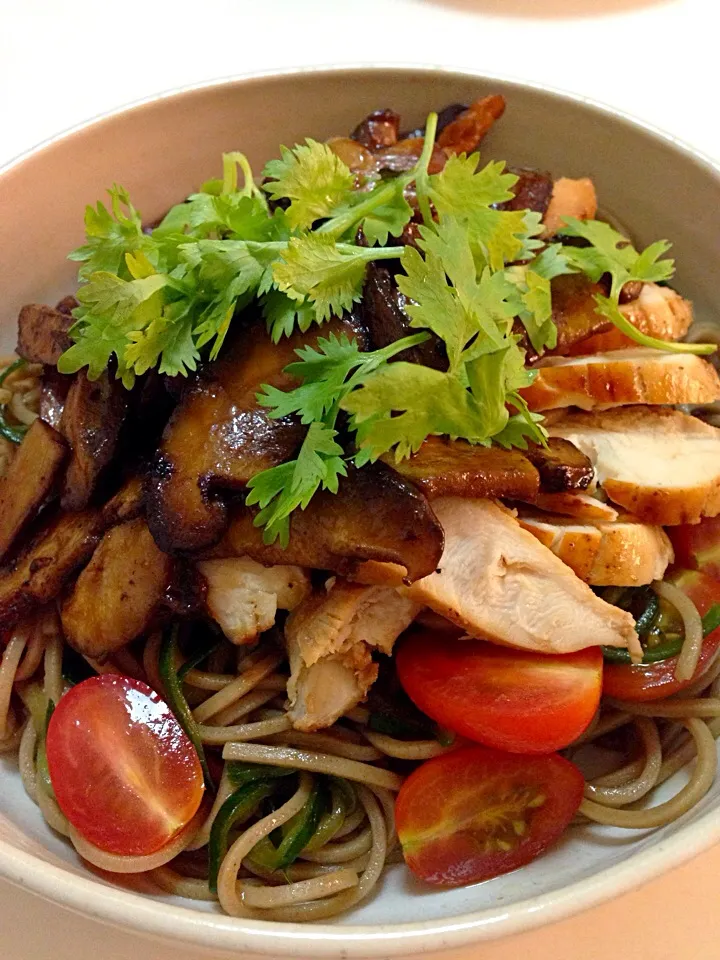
point(126, 504)
point(219, 437)
point(464, 134)
point(379, 129)
point(561, 466)
point(43, 333)
point(39, 573)
point(29, 480)
point(455, 468)
point(376, 515)
point(54, 389)
point(93, 414)
point(383, 313)
point(531, 192)
point(402, 156)
point(119, 593)
point(64, 543)
point(574, 315)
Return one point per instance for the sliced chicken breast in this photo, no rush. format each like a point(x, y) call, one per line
point(623, 553)
point(244, 596)
point(661, 465)
point(498, 582)
point(621, 377)
point(659, 311)
point(570, 198)
point(330, 638)
point(582, 506)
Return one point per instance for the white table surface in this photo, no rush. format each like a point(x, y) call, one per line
point(64, 61)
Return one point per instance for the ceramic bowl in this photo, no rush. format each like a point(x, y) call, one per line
point(161, 150)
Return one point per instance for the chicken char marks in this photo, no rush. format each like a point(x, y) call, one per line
point(219, 437)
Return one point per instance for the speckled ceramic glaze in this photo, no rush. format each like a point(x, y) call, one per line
point(162, 150)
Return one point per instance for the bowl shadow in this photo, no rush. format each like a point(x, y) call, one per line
point(548, 9)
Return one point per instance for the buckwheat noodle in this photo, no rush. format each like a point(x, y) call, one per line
point(238, 702)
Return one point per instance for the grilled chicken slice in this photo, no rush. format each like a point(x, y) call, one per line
point(219, 437)
point(119, 593)
point(570, 198)
point(622, 553)
point(496, 581)
point(330, 638)
point(29, 479)
point(659, 312)
point(661, 465)
point(92, 417)
point(621, 377)
point(243, 596)
point(374, 515)
point(581, 506)
point(43, 333)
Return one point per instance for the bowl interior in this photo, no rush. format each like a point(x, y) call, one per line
point(163, 150)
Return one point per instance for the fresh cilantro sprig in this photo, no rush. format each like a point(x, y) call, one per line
point(610, 253)
point(213, 254)
point(327, 374)
point(166, 298)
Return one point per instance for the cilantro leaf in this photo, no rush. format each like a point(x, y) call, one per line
point(609, 308)
point(283, 314)
point(462, 192)
point(388, 219)
point(329, 274)
point(110, 310)
point(448, 298)
point(312, 177)
point(110, 234)
point(282, 489)
point(324, 372)
point(399, 405)
point(611, 252)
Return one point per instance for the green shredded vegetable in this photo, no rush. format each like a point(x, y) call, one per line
point(295, 835)
point(236, 809)
point(16, 432)
point(175, 697)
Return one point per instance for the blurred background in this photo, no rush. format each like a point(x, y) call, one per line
point(62, 61)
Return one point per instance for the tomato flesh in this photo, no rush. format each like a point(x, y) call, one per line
point(124, 773)
point(651, 681)
point(697, 546)
point(509, 699)
point(475, 813)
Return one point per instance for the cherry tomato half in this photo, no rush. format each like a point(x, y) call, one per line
point(475, 813)
point(124, 772)
point(697, 546)
point(509, 699)
point(651, 681)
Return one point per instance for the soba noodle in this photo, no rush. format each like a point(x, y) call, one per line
point(332, 875)
point(237, 700)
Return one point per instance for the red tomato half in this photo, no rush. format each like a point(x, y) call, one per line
point(475, 813)
point(697, 546)
point(123, 771)
point(651, 681)
point(509, 699)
